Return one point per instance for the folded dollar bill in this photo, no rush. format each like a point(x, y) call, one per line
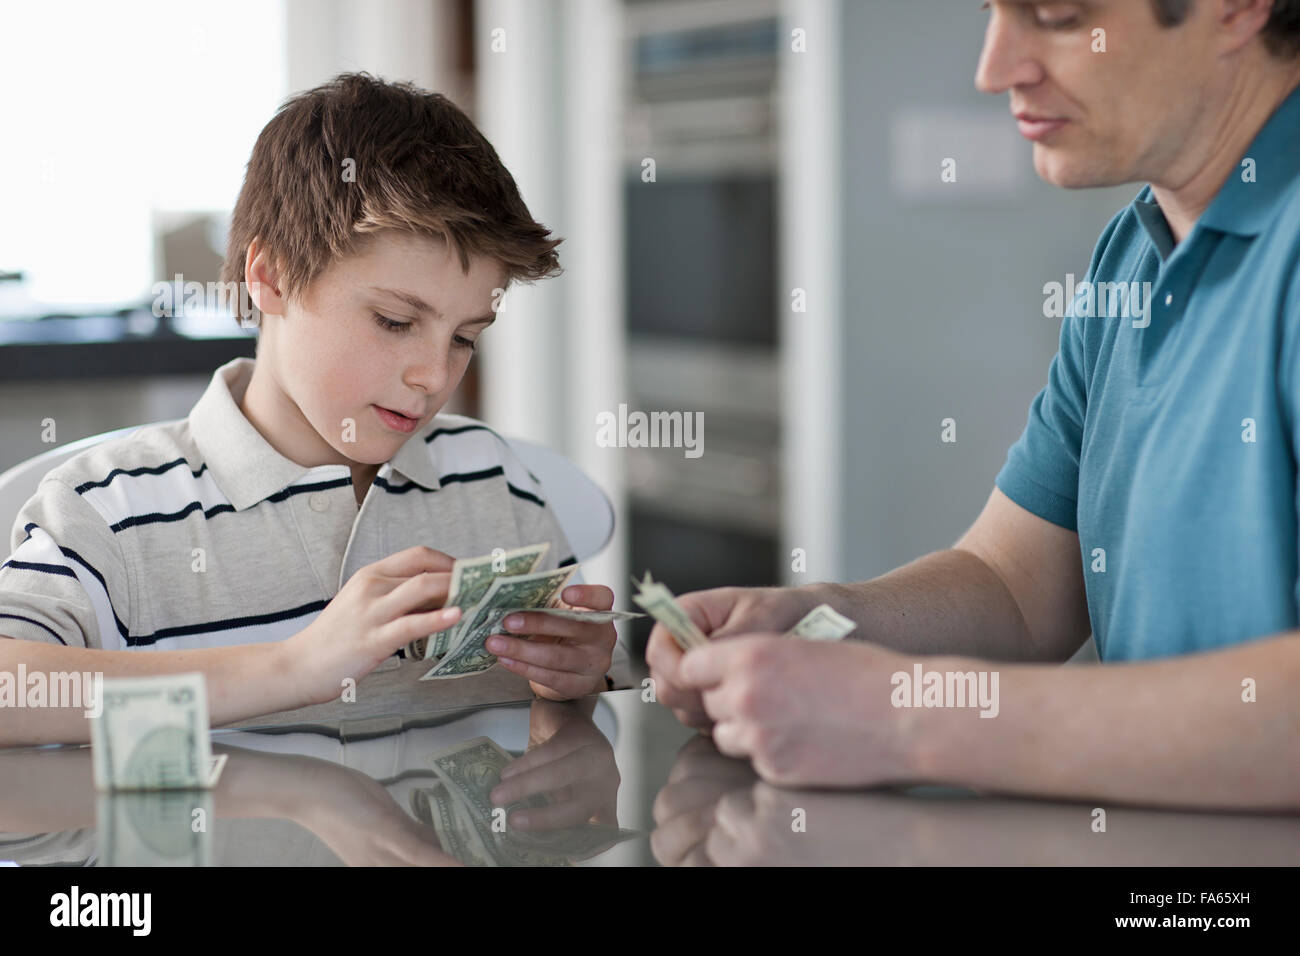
point(822, 623)
point(660, 603)
point(153, 735)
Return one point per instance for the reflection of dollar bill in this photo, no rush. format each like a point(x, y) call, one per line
point(469, 771)
point(663, 607)
point(470, 655)
point(456, 832)
point(822, 623)
point(154, 828)
point(153, 735)
point(470, 579)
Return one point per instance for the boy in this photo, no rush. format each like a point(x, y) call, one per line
point(281, 538)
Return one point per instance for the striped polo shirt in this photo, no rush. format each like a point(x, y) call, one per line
point(197, 533)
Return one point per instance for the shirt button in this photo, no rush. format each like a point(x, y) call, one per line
point(1169, 298)
point(318, 502)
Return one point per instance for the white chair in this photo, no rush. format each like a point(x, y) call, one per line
point(582, 508)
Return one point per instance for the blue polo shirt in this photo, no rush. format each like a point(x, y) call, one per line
point(1169, 440)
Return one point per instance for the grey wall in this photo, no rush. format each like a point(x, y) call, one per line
point(943, 290)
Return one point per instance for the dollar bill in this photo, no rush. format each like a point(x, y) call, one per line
point(470, 655)
point(660, 603)
point(153, 735)
point(572, 614)
point(470, 579)
point(822, 623)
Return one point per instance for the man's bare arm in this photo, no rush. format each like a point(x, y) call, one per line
point(1011, 588)
point(243, 681)
point(1173, 732)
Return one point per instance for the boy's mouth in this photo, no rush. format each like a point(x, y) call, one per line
point(396, 420)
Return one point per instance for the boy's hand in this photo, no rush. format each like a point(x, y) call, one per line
point(381, 608)
point(561, 659)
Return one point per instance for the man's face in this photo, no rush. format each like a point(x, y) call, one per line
point(1106, 118)
point(356, 343)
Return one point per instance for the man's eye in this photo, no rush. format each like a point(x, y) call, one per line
point(388, 323)
point(464, 342)
point(1056, 17)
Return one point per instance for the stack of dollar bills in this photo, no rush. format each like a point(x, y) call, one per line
point(470, 828)
point(487, 589)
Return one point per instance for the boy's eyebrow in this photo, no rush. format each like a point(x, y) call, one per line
point(419, 305)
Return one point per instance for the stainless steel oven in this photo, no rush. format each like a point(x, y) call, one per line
point(702, 287)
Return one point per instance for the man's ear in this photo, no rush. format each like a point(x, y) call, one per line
point(1241, 20)
point(263, 280)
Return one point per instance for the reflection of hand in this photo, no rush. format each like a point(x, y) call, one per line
point(573, 766)
point(561, 659)
point(684, 809)
point(351, 813)
point(808, 713)
point(766, 826)
point(720, 612)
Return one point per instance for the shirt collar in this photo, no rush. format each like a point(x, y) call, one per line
point(246, 467)
point(1246, 208)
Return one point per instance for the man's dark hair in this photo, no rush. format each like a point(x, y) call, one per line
point(1281, 34)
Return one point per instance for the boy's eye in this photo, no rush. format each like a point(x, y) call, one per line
point(388, 323)
point(464, 342)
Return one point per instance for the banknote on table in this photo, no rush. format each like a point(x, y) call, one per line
point(822, 623)
point(469, 771)
point(153, 828)
point(153, 735)
point(470, 579)
point(470, 654)
point(663, 607)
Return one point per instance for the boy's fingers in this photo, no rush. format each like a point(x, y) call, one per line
point(421, 592)
point(545, 624)
point(414, 560)
point(595, 597)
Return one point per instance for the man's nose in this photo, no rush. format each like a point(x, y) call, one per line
point(1006, 60)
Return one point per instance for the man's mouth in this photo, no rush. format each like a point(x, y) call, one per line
point(1034, 127)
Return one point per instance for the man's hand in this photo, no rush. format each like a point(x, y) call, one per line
point(721, 612)
point(561, 659)
point(807, 713)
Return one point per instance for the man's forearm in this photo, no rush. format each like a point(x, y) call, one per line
point(947, 602)
point(242, 682)
point(1174, 732)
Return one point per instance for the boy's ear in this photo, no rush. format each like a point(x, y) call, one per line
point(263, 280)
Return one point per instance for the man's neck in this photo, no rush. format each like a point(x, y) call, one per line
point(1196, 177)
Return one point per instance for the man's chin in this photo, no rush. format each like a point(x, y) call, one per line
point(1060, 168)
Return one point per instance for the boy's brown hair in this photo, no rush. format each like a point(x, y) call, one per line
point(417, 163)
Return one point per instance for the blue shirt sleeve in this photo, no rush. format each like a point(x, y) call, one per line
point(1041, 473)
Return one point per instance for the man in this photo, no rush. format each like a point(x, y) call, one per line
point(1150, 500)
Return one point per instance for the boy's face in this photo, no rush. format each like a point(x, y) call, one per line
point(332, 360)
